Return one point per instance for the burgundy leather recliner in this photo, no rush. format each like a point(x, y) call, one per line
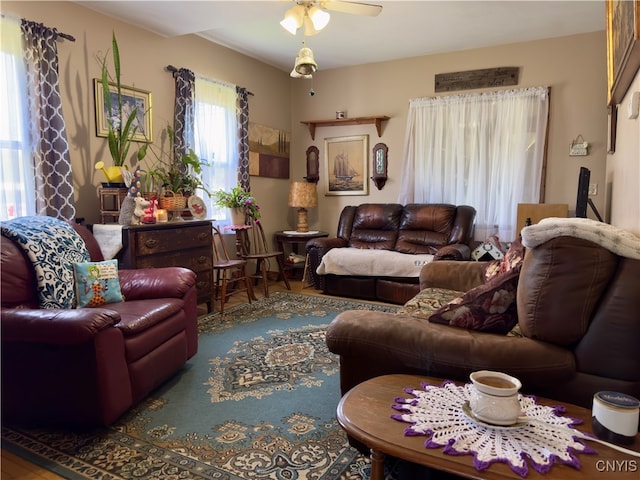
point(87, 366)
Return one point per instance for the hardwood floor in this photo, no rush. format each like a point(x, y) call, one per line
point(13, 467)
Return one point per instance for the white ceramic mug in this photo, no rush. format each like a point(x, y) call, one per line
point(494, 397)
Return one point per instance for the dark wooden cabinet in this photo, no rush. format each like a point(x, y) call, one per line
point(175, 244)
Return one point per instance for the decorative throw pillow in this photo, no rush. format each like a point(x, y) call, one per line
point(512, 259)
point(428, 301)
point(490, 307)
point(97, 283)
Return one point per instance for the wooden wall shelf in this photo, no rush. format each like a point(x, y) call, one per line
point(378, 119)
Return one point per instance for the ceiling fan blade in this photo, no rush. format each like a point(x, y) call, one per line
point(354, 8)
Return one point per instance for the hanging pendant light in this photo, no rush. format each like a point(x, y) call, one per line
point(305, 64)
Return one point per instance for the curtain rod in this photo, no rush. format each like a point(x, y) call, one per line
point(172, 69)
point(60, 34)
point(66, 36)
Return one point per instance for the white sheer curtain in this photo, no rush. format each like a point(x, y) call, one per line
point(485, 150)
point(17, 184)
point(216, 139)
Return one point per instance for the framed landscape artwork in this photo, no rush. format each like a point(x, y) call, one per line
point(623, 46)
point(346, 160)
point(269, 151)
point(132, 98)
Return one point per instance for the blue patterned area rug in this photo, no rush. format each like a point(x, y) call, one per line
point(258, 401)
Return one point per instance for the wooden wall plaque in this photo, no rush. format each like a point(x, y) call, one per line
point(471, 79)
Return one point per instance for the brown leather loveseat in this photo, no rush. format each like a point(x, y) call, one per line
point(578, 310)
point(441, 230)
point(87, 366)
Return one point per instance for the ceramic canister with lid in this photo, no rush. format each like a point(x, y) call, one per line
point(615, 416)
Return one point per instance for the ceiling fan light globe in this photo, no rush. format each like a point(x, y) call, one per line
point(319, 18)
point(292, 20)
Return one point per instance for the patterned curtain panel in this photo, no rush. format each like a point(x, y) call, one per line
point(54, 185)
point(183, 110)
point(243, 137)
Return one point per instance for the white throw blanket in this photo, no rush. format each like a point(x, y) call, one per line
point(371, 263)
point(109, 237)
point(614, 239)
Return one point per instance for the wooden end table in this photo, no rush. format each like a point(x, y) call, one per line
point(294, 240)
point(365, 414)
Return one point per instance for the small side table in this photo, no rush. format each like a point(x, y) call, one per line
point(293, 239)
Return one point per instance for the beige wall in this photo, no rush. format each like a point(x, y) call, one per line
point(574, 68)
point(144, 56)
point(623, 169)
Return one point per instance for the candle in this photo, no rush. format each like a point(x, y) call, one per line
point(161, 215)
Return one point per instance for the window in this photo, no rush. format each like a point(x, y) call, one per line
point(17, 184)
point(216, 139)
point(485, 150)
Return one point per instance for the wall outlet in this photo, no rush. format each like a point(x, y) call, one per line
point(593, 189)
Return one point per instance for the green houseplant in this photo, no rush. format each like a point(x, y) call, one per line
point(176, 172)
point(121, 124)
point(238, 198)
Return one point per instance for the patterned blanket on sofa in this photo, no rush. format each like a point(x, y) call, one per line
point(53, 246)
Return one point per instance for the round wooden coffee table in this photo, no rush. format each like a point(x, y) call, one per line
point(365, 414)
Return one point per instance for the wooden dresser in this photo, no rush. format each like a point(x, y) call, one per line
point(174, 244)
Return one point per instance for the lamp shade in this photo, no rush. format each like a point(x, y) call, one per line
point(303, 195)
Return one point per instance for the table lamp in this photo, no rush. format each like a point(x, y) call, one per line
point(302, 195)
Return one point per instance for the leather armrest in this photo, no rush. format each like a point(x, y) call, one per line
point(316, 249)
point(455, 251)
point(460, 276)
point(378, 343)
point(325, 244)
point(55, 326)
point(147, 283)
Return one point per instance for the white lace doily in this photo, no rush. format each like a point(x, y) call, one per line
point(436, 412)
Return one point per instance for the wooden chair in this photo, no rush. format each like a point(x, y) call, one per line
point(254, 247)
point(228, 272)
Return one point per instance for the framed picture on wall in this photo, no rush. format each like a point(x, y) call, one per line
point(131, 98)
point(346, 160)
point(623, 46)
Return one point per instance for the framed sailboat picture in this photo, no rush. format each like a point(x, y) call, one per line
point(346, 161)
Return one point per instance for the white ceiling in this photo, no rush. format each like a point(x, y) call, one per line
point(403, 29)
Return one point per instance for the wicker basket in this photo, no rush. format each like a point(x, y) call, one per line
point(176, 201)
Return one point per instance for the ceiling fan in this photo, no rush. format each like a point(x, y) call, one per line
point(313, 14)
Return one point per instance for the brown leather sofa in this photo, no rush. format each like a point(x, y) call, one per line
point(578, 310)
point(442, 230)
point(87, 366)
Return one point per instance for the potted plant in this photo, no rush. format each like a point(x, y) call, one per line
point(241, 203)
point(121, 122)
point(178, 174)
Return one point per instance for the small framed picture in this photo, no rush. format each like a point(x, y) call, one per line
point(346, 160)
point(131, 98)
